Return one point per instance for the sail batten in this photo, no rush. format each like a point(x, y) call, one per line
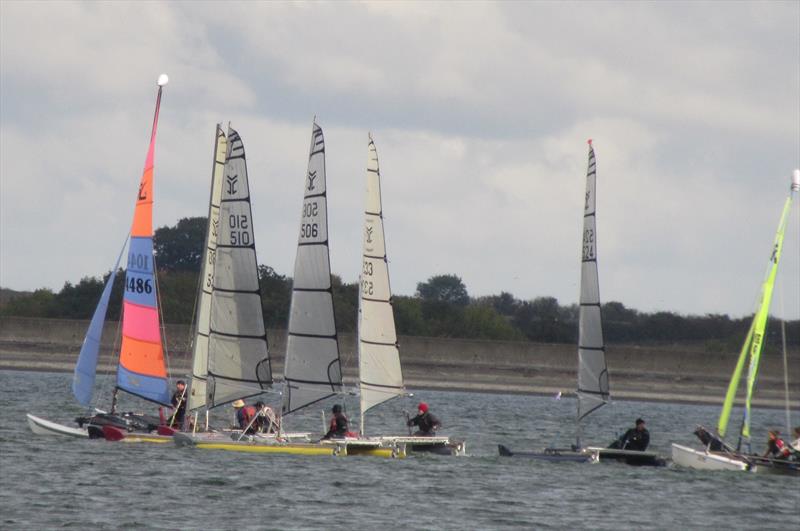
point(312, 369)
point(380, 373)
point(592, 390)
point(142, 368)
point(238, 361)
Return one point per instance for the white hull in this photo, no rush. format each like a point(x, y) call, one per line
point(702, 460)
point(41, 426)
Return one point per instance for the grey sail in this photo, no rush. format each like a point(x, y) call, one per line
point(313, 370)
point(197, 386)
point(592, 370)
point(238, 357)
point(380, 374)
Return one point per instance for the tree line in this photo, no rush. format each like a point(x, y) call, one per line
point(441, 306)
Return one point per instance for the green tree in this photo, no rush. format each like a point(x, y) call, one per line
point(276, 297)
point(444, 288)
point(180, 248)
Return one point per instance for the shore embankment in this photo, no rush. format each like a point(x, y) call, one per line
point(673, 373)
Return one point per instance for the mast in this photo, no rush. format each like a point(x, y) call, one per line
point(238, 355)
point(380, 373)
point(142, 369)
point(312, 370)
point(593, 391)
point(197, 385)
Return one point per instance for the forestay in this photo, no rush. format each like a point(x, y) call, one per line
point(197, 387)
point(238, 358)
point(380, 373)
point(313, 369)
point(593, 389)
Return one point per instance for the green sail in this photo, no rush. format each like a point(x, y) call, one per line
point(754, 342)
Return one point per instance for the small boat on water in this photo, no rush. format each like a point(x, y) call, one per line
point(141, 370)
point(379, 369)
point(593, 387)
point(716, 453)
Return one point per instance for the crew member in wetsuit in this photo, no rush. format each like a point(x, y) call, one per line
point(178, 405)
point(244, 416)
point(425, 421)
point(636, 439)
point(339, 424)
point(776, 448)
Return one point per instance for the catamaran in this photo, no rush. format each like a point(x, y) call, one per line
point(380, 372)
point(717, 454)
point(141, 369)
point(593, 387)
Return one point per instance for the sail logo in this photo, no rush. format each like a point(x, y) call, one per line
point(369, 234)
point(142, 194)
point(311, 176)
point(774, 257)
point(232, 180)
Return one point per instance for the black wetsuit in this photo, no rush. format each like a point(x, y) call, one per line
point(179, 404)
point(339, 426)
point(633, 440)
point(427, 423)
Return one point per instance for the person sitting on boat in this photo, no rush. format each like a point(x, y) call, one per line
point(178, 405)
point(427, 423)
point(339, 425)
point(776, 448)
point(245, 415)
point(636, 439)
point(265, 418)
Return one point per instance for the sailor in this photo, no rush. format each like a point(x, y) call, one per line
point(425, 421)
point(244, 415)
point(178, 404)
point(339, 424)
point(776, 448)
point(265, 418)
point(636, 439)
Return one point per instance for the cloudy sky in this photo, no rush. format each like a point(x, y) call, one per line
point(480, 113)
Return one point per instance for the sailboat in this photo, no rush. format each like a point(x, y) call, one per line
point(380, 372)
point(718, 455)
point(312, 369)
point(141, 370)
point(593, 386)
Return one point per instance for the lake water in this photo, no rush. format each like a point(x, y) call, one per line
point(49, 482)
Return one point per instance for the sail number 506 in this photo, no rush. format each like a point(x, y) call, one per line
point(309, 230)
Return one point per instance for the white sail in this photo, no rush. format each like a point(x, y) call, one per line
point(380, 373)
point(238, 357)
point(592, 370)
point(312, 370)
point(197, 386)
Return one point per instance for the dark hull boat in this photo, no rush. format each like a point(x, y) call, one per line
point(593, 388)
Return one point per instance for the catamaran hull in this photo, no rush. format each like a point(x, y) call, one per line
point(629, 457)
point(330, 447)
point(552, 454)
point(702, 460)
point(41, 426)
point(429, 445)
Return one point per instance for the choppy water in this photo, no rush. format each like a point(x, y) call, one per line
point(49, 482)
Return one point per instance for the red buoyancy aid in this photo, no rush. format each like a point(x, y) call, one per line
point(248, 414)
point(782, 449)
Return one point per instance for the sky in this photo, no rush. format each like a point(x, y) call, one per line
point(480, 113)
